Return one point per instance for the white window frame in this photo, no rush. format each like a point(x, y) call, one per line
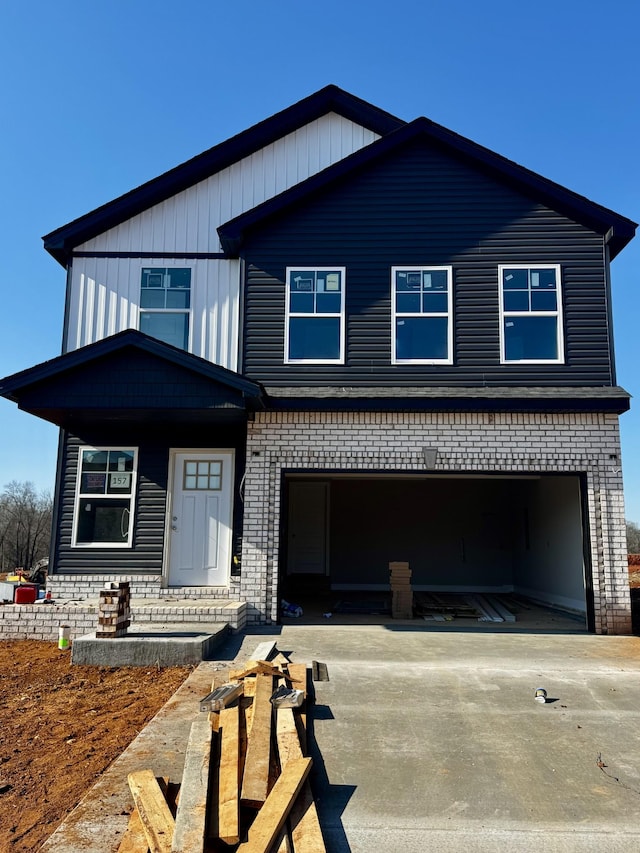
point(399, 314)
point(188, 311)
point(340, 315)
point(557, 313)
point(79, 495)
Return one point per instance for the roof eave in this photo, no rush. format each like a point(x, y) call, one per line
point(60, 242)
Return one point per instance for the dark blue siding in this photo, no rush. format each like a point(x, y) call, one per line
point(153, 445)
point(422, 206)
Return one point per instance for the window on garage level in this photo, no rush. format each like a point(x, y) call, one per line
point(104, 494)
point(530, 314)
point(165, 302)
point(422, 315)
point(314, 322)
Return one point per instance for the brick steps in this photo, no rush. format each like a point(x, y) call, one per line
point(76, 599)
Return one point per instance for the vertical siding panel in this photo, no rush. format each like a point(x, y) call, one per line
point(170, 225)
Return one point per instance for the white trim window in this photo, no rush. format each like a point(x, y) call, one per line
point(314, 315)
point(105, 491)
point(421, 315)
point(530, 314)
point(165, 304)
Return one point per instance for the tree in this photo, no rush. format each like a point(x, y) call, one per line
point(633, 538)
point(25, 525)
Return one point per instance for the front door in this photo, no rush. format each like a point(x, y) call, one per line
point(200, 518)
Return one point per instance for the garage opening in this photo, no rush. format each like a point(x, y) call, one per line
point(488, 534)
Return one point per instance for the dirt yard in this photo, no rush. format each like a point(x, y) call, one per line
point(60, 727)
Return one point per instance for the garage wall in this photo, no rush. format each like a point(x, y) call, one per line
point(550, 562)
point(453, 533)
point(474, 442)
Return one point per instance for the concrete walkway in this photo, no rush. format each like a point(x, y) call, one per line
point(431, 740)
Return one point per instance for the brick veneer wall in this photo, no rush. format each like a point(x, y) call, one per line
point(586, 444)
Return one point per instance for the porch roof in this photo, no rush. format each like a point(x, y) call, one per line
point(131, 377)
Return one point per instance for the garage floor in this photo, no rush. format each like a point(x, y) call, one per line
point(373, 608)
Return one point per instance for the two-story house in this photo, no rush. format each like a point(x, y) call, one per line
point(336, 340)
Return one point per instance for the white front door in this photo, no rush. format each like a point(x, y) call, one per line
point(200, 518)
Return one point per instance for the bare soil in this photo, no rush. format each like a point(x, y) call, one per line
point(61, 726)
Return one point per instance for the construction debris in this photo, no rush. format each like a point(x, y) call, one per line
point(401, 592)
point(114, 614)
point(245, 784)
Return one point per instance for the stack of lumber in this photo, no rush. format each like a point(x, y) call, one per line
point(244, 786)
point(114, 612)
point(401, 592)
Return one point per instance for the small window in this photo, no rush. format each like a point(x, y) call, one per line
point(165, 302)
point(530, 314)
point(421, 315)
point(105, 490)
point(314, 323)
point(202, 475)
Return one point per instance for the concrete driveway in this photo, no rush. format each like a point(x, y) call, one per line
point(432, 740)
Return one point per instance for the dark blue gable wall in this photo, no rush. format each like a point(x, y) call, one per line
point(421, 206)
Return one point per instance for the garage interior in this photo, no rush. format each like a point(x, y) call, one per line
point(517, 539)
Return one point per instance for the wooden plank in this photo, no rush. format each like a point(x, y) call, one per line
point(249, 685)
point(305, 825)
point(287, 736)
point(189, 832)
point(283, 842)
point(134, 840)
point(299, 672)
point(280, 660)
point(271, 817)
point(255, 667)
point(157, 820)
point(229, 780)
point(255, 781)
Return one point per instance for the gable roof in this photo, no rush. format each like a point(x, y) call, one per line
point(617, 229)
point(61, 242)
point(130, 375)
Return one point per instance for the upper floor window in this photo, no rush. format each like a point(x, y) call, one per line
point(421, 315)
point(165, 300)
point(314, 322)
point(530, 314)
point(104, 494)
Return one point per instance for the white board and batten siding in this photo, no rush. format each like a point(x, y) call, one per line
point(105, 291)
point(187, 222)
point(106, 298)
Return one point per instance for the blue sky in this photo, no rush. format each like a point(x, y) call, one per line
point(99, 97)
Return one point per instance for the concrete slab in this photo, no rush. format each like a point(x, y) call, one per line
point(432, 740)
point(173, 644)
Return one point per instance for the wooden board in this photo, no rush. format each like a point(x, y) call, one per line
point(287, 736)
point(156, 818)
point(228, 786)
point(300, 673)
point(305, 825)
point(134, 839)
point(189, 832)
point(255, 781)
point(271, 817)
